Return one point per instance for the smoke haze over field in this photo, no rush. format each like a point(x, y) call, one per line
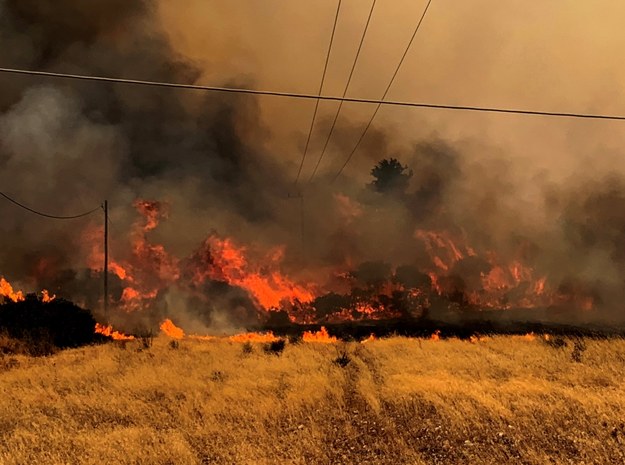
point(546, 191)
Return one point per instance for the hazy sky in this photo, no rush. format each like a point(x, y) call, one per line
point(557, 55)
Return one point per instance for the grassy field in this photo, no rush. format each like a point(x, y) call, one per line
point(501, 400)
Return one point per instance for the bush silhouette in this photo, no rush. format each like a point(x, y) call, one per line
point(57, 324)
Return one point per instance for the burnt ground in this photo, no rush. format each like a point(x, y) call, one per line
point(463, 328)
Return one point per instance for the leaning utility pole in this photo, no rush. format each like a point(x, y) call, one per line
point(106, 261)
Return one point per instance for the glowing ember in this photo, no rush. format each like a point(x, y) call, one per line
point(171, 330)
point(320, 336)
point(254, 337)
point(109, 332)
point(6, 290)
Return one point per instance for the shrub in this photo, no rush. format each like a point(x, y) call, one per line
point(557, 342)
point(295, 338)
point(43, 327)
point(275, 347)
point(343, 359)
point(247, 348)
point(145, 337)
point(579, 346)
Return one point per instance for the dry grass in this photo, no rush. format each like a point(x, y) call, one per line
point(504, 400)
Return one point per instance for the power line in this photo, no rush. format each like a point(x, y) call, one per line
point(377, 108)
point(46, 215)
point(296, 95)
point(349, 80)
point(323, 78)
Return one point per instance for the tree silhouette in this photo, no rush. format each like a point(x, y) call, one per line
point(390, 176)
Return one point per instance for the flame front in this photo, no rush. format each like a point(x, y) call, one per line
point(171, 330)
point(223, 260)
point(110, 332)
point(320, 336)
point(6, 291)
point(254, 337)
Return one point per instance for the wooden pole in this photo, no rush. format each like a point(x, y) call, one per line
point(106, 261)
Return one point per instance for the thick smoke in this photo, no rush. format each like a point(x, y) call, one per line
point(531, 190)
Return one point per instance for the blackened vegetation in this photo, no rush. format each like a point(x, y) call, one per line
point(409, 295)
point(343, 359)
point(275, 347)
point(41, 328)
point(462, 329)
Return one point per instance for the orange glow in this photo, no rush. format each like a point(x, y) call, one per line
point(108, 331)
point(171, 330)
point(223, 260)
point(371, 338)
point(254, 337)
point(46, 297)
point(152, 212)
point(320, 336)
point(201, 338)
point(6, 290)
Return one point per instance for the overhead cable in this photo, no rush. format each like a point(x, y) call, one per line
point(323, 78)
point(377, 108)
point(46, 215)
point(296, 95)
point(349, 80)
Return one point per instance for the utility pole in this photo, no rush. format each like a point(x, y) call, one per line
point(106, 261)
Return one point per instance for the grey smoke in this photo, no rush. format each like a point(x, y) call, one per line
point(65, 146)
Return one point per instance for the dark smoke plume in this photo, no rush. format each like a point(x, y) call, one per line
point(66, 146)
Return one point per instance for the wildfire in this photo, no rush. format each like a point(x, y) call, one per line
point(254, 337)
point(223, 260)
point(460, 277)
point(46, 297)
point(319, 336)
point(171, 330)
point(108, 331)
point(371, 338)
point(6, 290)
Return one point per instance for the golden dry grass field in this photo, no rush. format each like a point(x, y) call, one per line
point(398, 401)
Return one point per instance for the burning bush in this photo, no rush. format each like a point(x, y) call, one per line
point(45, 326)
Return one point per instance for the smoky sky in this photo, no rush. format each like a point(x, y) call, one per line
point(225, 163)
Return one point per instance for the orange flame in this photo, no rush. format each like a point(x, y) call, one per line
point(108, 331)
point(319, 336)
point(171, 330)
point(6, 290)
point(371, 338)
point(222, 259)
point(46, 297)
point(254, 337)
